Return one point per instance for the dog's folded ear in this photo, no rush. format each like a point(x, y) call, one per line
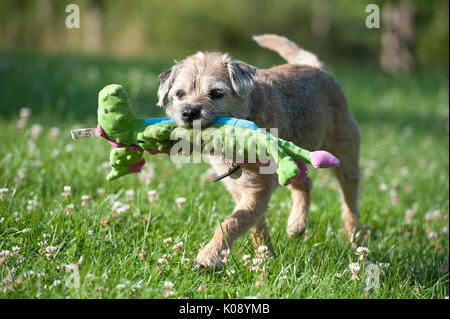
point(241, 76)
point(166, 79)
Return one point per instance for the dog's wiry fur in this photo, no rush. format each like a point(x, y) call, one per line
point(300, 99)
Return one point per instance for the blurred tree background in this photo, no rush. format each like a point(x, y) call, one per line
point(174, 28)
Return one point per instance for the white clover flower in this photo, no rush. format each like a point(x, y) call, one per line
point(54, 133)
point(36, 131)
point(246, 259)
point(257, 264)
point(152, 197)
point(362, 252)
point(167, 241)
point(262, 252)
point(5, 253)
point(355, 268)
point(177, 247)
point(408, 215)
point(67, 192)
point(168, 285)
point(3, 192)
point(262, 249)
point(21, 124)
point(57, 283)
point(129, 195)
point(230, 272)
point(383, 265)
point(90, 277)
point(180, 201)
point(24, 113)
point(84, 200)
point(69, 209)
point(432, 236)
point(116, 206)
point(101, 192)
point(15, 250)
point(32, 204)
point(164, 259)
point(69, 148)
point(50, 249)
point(137, 285)
point(120, 287)
point(123, 208)
point(225, 254)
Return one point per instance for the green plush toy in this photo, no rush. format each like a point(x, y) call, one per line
point(236, 139)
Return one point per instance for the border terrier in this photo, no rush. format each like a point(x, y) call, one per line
point(300, 99)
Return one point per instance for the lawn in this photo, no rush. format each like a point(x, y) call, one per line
point(123, 238)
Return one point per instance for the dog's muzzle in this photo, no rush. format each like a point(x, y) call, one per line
point(191, 114)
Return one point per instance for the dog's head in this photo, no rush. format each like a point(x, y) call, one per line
point(205, 86)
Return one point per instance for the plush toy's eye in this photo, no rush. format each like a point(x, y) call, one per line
point(106, 111)
point(180, 94)
point(215, 94)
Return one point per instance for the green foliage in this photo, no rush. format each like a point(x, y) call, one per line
point(404, 196)
point(334, 29)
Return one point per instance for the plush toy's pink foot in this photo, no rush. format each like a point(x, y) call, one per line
point(137, 167)
point(301, 175)
point(323, 159)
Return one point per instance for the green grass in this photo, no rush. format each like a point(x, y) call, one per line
point(404, 161)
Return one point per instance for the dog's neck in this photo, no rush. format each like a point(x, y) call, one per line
point(261, 104)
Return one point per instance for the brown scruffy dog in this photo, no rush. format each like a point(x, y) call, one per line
point(299, 98)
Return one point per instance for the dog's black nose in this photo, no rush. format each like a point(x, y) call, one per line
point(191, 114)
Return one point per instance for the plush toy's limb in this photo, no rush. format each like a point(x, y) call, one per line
point(297, 153)
point(288, 152)
point(289, 169)
point(124, 161)
point(323, 159)
point(157, 137)
point(318, 159)
point(158, 132)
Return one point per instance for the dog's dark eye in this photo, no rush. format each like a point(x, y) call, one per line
point(180, 94)
point(215, 94)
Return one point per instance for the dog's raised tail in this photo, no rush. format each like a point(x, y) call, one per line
point(288, 50)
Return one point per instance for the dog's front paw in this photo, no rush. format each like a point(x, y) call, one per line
point(209, 258)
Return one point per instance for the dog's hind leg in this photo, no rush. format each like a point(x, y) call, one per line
point(301, 199)
point(346, 148)
point(348, 180)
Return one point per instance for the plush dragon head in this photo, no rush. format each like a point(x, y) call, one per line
point(115, 115)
